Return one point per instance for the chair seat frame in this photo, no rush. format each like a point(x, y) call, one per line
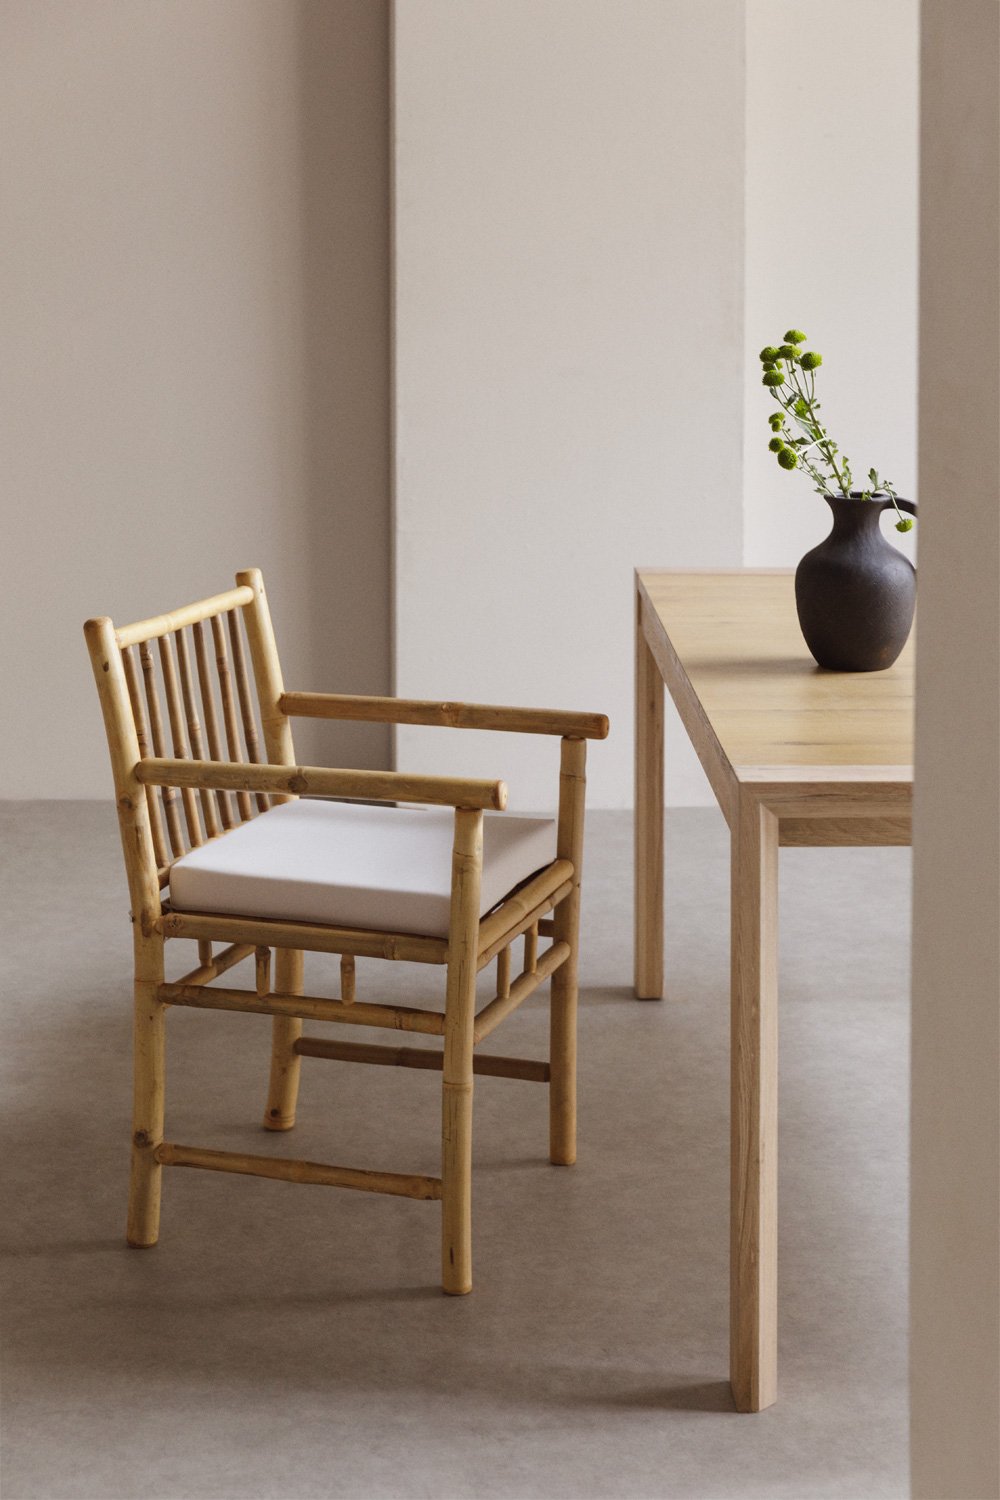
point(547, 905)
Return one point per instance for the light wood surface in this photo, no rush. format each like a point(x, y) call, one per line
point(763, 700)
point(796, 756)
point(229, 720)
point(648, 818)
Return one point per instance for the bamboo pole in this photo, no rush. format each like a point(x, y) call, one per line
point(262, 970)
point(422, 1058)
point(526, 984)
point(503, 972)
point(188, 614)
point(169, 794)
point(147, 941)
point(225, 678)
point(499, 926)
point(267, 672)
point(380, 786)
point(313, 937)
point(245, 699)
point(563, 1006)
point(348, 984)
point(286, 1064)
point(204, 952)
point(145, 749)
point(178, 736)
point(305, 1007)
point(456, 1090)
point(285, 1170)
point(195, 737)
point(211, 719)
point(489, 950)
point(531, 948)
point(447, 715)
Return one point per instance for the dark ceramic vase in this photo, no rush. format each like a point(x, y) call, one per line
point(854, 592)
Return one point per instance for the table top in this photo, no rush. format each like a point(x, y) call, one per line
point(733, 639)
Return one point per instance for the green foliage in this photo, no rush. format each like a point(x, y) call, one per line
point(812, 447)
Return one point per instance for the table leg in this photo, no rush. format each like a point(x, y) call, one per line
point(648, 819)
point(754, 1104)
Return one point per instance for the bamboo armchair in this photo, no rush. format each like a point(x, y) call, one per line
point(213, 784)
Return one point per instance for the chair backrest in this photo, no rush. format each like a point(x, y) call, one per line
point(178, 685)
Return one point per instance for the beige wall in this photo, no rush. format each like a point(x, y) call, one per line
point(955, 1229)
point(569, 361)
point(831, 246)
point(195, 370)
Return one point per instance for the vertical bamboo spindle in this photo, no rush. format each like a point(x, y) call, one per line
point(286, 1064)
point(195, 737)
point(168, 793)
point(145, 749)
point(211, 721)
point(178, 736)
point(147, 943)
point(566, 929)
point(531, 948)
point(204, 952)
point(262, 970)
point(503, 973)
point(348, 988)
point(246, 700)
point(243, 802)
point(267, 674)
point(460, 1006)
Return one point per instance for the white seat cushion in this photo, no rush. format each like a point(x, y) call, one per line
point(348, 865)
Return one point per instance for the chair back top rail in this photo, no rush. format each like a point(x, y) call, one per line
point(187, 614)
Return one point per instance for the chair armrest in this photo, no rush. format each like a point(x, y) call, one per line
point(449, 715)
point(320, 781)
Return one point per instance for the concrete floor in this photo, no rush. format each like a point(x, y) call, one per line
point(291, 1342)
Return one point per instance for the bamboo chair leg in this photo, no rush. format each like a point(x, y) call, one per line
point(460, 1006)
point(147, 1100)
point(566, 928)
point(286, 1064)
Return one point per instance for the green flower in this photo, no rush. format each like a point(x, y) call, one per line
point(774, 377)
point(795, 336)
point(811, 361)
point(776, 444)
point(788, 458)
point(768, 354)
point(776, 418)
point(904, 524)
point(769, 364)
point(788, 351)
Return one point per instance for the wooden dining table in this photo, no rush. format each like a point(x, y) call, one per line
point(796, 757)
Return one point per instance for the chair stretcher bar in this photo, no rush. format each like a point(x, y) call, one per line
point(283, 1169)
point(420, 1057)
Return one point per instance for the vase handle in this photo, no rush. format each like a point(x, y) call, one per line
point(910, 505)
